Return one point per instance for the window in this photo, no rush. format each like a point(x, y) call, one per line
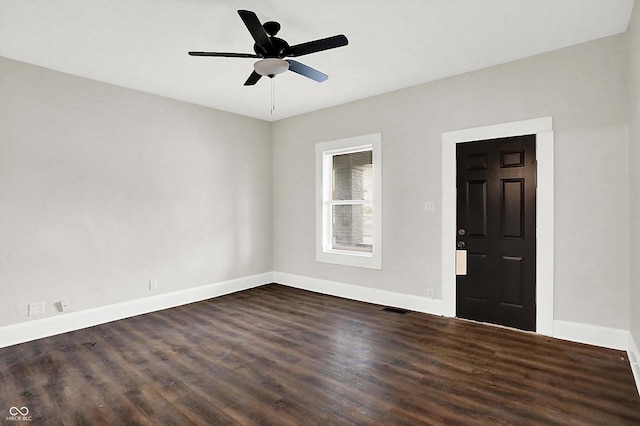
point(348, 187)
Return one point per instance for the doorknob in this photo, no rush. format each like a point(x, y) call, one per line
point(461, 244)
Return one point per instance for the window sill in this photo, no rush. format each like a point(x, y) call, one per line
point(349, 258)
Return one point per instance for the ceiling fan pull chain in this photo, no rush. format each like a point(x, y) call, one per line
point(273, 95)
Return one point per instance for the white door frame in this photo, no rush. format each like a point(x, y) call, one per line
point(543, 129)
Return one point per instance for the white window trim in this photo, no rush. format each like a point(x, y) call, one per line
point(324, 153)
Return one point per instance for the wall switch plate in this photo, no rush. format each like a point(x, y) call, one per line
point(153, 284)
point(36, 309)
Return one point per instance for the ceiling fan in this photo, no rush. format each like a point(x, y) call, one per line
point(272, 50)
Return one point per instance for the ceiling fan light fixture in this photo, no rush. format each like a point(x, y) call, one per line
point(271, 66)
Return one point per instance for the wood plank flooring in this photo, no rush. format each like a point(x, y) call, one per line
point(281, 356)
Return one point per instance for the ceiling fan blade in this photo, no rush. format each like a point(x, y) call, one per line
point(317, 45)
point(225, 54)
point(254, 26)
point(306, 71)
point(253, 79)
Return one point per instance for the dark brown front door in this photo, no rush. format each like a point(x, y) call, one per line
point(496, 181)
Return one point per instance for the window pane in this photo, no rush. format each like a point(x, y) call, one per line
point(352, 228)
point(352, 176)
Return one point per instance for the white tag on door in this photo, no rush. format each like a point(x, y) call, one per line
point(461, 262)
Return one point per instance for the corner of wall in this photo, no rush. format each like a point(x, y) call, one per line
point(633, 34)
point(634, 360)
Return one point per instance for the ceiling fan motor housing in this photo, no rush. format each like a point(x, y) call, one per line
point(277, 49)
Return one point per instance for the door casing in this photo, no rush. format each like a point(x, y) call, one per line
point(543, 129)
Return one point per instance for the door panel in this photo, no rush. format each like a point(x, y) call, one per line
point(512, 208)
point(478, 263)
point(476, 161)
point(496, 183)
point(476, 211)
point(511, 269)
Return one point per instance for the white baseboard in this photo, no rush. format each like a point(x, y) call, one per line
point(634, 360)
point(65, 322)
point(595, 335)
point(363, 294)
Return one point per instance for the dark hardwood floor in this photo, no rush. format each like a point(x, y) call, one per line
point(281, 356)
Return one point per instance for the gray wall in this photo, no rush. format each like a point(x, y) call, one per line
point(103, 188)
point(583, 87)
point(634, 168)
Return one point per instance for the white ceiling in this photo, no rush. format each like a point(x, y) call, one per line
point(393, 44)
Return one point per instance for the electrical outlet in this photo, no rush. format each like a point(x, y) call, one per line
point(429, 293)
point(153, 284)
point(65, 305)
point(36, 309)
